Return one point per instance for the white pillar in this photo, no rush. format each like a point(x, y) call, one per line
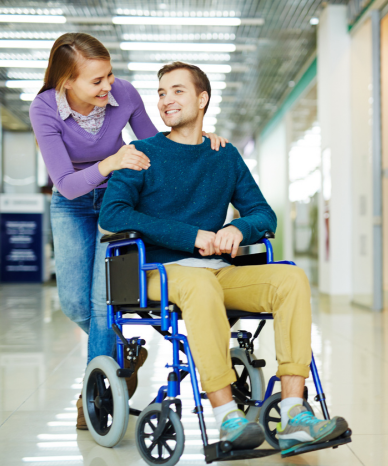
point(335, 120)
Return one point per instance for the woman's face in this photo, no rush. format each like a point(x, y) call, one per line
point(93, 83)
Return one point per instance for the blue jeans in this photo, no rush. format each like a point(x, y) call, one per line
point(80, 267)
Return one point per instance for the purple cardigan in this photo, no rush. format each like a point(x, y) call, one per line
point(70, 153)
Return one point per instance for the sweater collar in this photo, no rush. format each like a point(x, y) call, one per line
point(164, 141)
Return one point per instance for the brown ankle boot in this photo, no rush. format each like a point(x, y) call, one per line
point(132, 381)
point(81, 423)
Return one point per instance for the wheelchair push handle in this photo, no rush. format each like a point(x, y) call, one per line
point(122, 235)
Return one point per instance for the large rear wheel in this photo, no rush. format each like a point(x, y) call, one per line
point(250, 383)
point(105, 401)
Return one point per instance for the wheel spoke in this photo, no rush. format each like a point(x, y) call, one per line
point(103, 421)
point(107, 392)
point(151, 425)
point(151, 447)
point(167, 447)
point(243, 377)
point(108, 408)
point(273, 432)
point(169, 437)
point(160, 449)
point(100, 384)
point(274, 419)
point(277, 408)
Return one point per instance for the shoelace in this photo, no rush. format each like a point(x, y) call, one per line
point(233, 423)
point(305, 417)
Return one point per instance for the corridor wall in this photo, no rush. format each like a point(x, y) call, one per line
point(362, 190)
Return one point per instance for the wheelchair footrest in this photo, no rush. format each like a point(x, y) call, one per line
point(342, 440)
point(218, 452)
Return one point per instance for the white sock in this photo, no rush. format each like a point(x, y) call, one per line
point(221, 411)
point(286, 405)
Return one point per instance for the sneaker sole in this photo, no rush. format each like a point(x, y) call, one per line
point(340, 427)
point(252, 437)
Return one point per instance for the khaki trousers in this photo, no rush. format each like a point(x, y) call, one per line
point(203, 295)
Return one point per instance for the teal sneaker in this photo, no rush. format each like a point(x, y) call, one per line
point(243, 434)
point(303, 428)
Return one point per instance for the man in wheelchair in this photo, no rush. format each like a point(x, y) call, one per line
point(179, 205)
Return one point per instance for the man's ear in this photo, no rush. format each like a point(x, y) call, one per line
point(203, 99)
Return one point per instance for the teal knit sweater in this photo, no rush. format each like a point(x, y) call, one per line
point(186, 189)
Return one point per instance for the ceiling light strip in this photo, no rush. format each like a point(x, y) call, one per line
point(132, 20)
point(173, 21)
point(136, 46)
point(177, 46)
point(137, 66)
point(166, 21)
point(33, 19)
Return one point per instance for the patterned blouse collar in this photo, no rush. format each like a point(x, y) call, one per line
point(65, 111)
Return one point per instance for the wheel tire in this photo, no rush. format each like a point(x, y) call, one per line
point(269, 421)
point(173, 432)
point(250, 381)
point(105, 401)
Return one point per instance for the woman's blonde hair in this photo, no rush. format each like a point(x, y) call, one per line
point(64, 55)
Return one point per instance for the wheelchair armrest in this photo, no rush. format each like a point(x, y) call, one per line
point(111, 238)
point(269, 235)
point(259, 258)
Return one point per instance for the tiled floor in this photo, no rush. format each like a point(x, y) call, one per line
point(42, 360)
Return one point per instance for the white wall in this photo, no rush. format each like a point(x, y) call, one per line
point(274, 182)
point(362, 190)
point(334, 118)
point(19, 162)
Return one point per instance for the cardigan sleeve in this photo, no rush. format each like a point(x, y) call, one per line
point(69, 182)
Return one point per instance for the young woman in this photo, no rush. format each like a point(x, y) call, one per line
point(78, 117)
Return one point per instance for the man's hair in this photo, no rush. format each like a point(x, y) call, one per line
point(200, 79)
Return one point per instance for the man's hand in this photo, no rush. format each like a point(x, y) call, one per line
point(228, 240)
point(205, 242)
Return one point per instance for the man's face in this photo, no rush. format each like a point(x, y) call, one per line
point(179, 105)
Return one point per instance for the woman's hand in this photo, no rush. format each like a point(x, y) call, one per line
point(215, 140)
point(127, 157)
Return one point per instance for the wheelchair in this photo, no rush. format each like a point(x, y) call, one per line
point(159, 432)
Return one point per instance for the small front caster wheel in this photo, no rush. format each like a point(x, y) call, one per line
point(270, 416)
point(168, 448)
point(105, 401)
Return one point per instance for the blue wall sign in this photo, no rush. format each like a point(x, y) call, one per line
point(21, 247)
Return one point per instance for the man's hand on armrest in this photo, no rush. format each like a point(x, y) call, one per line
point(205, 242)
point(228, 240)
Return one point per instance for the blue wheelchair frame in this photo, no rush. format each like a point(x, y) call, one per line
point(168, 321)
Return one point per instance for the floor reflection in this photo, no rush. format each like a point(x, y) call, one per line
point(42, 361)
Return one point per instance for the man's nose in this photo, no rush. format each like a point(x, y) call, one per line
point(168, 100)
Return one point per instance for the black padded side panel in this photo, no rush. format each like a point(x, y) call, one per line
point(250, 259)
point(123, 279)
